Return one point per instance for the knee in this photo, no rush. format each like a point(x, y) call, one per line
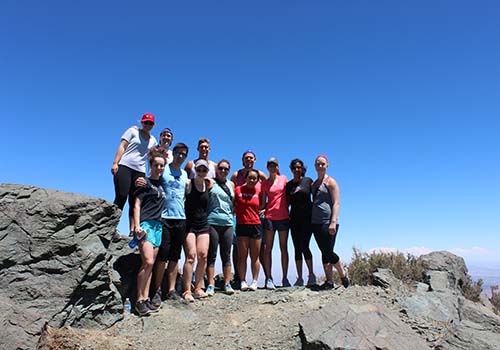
point(202, 256)
point(190, 258)
point(148, 262)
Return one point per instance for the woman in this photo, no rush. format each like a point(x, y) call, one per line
point(324, 221)
point(149, 203)
point(298, 194)
point(276, 219)
point(248, 228)
point(130, 163)
point(220, 219)
point(197, 239)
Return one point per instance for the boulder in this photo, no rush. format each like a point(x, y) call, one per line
point(385, 278)
point(444, 270)
point(54, 263)
point(340, 325)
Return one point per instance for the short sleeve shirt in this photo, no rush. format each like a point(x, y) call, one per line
point(247, 203)
point(276, 206)
point(136, 153)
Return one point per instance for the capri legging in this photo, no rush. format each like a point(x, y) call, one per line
point(124, 180)
point(326, 242)
point(224, 236)
point(301, 236)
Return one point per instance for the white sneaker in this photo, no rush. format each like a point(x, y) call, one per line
point(311, 281)
point(244, 286)
point(253, 286)
point(270, 284)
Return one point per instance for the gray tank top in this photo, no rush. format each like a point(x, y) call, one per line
point(322, 204)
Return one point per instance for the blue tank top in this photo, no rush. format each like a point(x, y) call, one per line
point(220, 206)
point(322, 204)
point(174, 183)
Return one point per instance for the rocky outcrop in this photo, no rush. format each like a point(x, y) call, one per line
point(444, 270)
point(54, 263)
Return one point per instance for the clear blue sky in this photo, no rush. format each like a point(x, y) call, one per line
point(404, 98)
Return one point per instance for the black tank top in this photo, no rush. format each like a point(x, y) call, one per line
point(196, 207)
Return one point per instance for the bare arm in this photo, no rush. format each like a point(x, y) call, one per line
point(234, 176)
point(189, 167)
point(137, 215)
point(119, 153)
point(333, 187)
point(262, 176)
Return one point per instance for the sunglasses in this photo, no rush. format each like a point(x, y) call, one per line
point(221, 168)
point(148, 122)
point(180, 154)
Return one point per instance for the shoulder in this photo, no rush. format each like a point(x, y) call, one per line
point(331, 183)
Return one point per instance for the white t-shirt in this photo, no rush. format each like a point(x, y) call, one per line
point(136, 154)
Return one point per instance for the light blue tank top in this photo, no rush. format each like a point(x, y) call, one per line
point(220, 206)
point(174, 183)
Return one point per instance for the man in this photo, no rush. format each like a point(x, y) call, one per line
point(166, 139)
point(203, 150)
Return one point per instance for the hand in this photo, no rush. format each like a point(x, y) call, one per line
point(262, 212)
point(114, 168)
point(332, 229)
point(140, 233)
point(140, 181)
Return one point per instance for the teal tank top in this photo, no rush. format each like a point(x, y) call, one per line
point(220, 206)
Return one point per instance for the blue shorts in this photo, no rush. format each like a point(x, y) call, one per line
point(154, 230)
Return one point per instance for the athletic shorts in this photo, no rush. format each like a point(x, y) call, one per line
point(173, 237)
point(276, 225)
point(154, 232)
point(250, 231)
point(197, 230)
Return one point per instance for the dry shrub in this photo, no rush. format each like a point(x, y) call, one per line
point(495, 299)
point(404, 267)
point(472, 289)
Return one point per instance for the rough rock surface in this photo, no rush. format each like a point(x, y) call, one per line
point(54, 263)
point(444, 267)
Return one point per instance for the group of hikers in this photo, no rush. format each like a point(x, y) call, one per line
point(201, 208)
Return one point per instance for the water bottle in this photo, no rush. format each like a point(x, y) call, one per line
point(127, 307)
point(133, 243)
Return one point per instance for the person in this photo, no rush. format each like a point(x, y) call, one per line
point(198, 238)
point(149, 203)
point(298, 193)
point(220, 219)
point(248, 228)
point(248, 160)
point(173, 219)
point(276, 219)
point(166, 139)
point(203, 150)
point(130, 163)
point(324, 221)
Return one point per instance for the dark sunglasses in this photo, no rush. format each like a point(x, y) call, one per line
point(180, 154)
point(148, 122)
point(221, 168)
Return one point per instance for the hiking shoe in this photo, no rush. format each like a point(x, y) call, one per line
point(244, 286)
point(228, 289)
point(236, 283)
point(270, 284)
point(210, 290)
point(141, 308)
point(311, 280)
point(116, 237)
point(326, 286)
point(200, 294)
point(152, 307)
point(285, 283)
point(187, 296)
point(299, 282)
point(156, 299)
point(345, 281)
point(173, 295)
point(253, 286)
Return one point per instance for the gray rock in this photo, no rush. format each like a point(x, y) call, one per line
point(339, 326)
point(451, 264)
point(432, 306)
point(385, 278)
point(54, 263)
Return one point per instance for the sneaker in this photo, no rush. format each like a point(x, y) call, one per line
point(285, 283)
point(299, 282)
point(253, 286)
point(244, 286)
point(142, 308)
point(173, 295)
point(345, 281)
point(156, 299)
point(311, 280)
point(326, 286)
point(152, 307)
point(187, 296)
point(200, 294)
point(116, 237)
point(228, 289)
point(270, 284)
point(210, 290)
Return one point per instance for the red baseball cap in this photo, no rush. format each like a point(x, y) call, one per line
point(148, 117)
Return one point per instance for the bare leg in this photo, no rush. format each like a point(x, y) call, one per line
point(190, 251)
point(268, 248)
point(227, 274)
point(254, 257)
point(172, 275)
point(159, 272)
point(148, 255)
point(242, 256)
point(202, 242)
point(328, 272)
point(283, 237)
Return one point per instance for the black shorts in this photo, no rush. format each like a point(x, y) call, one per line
point(250, 231)
point(173, 237)
point(277, 225)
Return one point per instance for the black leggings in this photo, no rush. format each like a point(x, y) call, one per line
point(326, 243)
point(301, 236)
point(224, 235)
point(124, 180)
